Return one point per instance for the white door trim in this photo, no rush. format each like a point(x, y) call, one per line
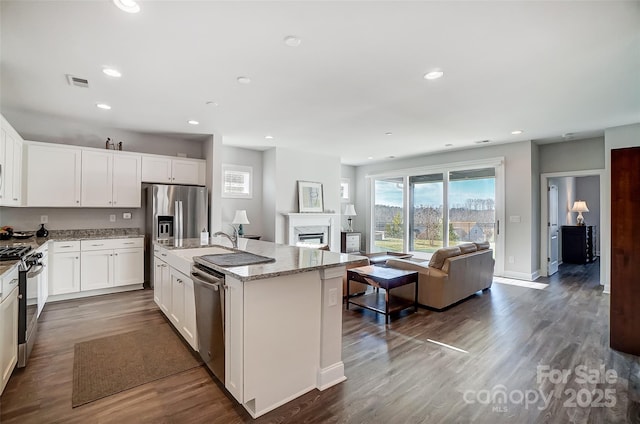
point(544, 212)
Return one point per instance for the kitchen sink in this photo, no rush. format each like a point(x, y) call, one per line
point(188, 254)
point(233, 259)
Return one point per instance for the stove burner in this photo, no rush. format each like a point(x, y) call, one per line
point(12, 253)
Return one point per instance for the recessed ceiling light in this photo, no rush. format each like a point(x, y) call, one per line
point(448, 145)
point(516, 132)
point(568, 135)
point(212, 103)
point(388, 133)
point(193, 122)
point(433, 75)
point(268, 137)
point(292, 41)
point(112, 72)
point(370, 157)
point(103, 106)
point(391, 157)
point(128, 6)
point(244, 80)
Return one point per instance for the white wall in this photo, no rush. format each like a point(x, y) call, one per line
point(282, 169)
point(253, 206)
point(572, 155)
point(535, 211)
point(614, 138)
point(518, 196)
point(588, 189)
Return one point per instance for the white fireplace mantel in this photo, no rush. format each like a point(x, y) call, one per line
point(330, 220)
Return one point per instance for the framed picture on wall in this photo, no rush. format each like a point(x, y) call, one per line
point(310, 197)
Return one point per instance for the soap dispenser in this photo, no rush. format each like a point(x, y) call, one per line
point(204, 237)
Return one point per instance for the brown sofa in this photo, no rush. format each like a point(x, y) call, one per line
point(452, 274)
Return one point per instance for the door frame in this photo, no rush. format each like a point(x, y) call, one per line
point(549, 238)
point(544, 215)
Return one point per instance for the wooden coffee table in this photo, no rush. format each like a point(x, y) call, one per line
point(382, 278)
point(380, 258)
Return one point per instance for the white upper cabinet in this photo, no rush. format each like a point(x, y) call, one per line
point(10, 165)
point(97, 178)
point(156, 169)
point(167, 170)
point(110, 179)
point(127, 180)
point(53, 176)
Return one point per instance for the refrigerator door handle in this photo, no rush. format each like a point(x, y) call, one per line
point(181, 215)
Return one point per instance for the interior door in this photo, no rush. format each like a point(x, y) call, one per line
point(553, 240)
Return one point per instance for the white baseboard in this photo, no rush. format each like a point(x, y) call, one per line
point(331, 376)
point(78, 295)
point(521, 275)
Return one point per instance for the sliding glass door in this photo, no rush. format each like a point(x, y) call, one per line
point(472, 201)
point(388, 215)
point(426, 218)
point(422, 212)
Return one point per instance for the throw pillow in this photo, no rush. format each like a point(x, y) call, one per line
point(439, 256)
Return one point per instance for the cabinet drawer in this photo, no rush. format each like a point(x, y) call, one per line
point(65, 246)
point(103, 244)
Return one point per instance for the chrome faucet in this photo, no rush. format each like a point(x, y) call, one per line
point(233, 239)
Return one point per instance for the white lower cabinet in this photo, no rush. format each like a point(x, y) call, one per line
point(43, 280)
point(174, 295)
point(64, 273)
point(8, 332)
point(96, 265)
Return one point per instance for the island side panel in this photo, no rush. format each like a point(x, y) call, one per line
point(331, 367)
point(233, 337)
point(281, 339)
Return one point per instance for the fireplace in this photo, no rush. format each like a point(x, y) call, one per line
point(313, 229)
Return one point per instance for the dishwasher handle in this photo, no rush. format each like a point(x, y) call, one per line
point(206, 278)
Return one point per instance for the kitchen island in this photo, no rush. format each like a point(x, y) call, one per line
point(282, 320)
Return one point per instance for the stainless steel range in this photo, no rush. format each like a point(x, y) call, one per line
point(28, 269)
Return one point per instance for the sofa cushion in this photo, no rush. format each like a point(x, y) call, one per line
point(439, 256)
point(467, 248)
point(483, 245)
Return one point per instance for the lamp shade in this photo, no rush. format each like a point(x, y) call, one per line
point(241, 217)
point(579, 206)
point(350, 210)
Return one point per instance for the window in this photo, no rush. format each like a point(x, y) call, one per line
point(237, 181)
point(420, 210)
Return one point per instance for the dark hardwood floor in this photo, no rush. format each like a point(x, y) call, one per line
point(396, 373)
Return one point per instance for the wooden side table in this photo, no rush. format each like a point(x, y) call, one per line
point(382, 278)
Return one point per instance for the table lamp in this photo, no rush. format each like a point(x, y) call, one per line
point(240, 219)
point(350, 211)
point(580, 206)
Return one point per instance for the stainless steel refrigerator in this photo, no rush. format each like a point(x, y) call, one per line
point(173, 211)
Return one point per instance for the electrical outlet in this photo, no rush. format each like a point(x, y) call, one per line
point(512, 260)
point(333, 297)
point(112, 218)
point(126, 215)
point(44, 219)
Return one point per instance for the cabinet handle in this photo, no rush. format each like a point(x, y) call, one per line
point(116, 254)
point(66, 245)
point(77, 257)
point(114, 202)
point(163, 254)
point(77, 201)
point(100, 244)
point(15, 199)
point(130, 242)
point(109, 201)
point(179, 281)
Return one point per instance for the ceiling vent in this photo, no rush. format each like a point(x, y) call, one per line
point(78, 82)
point(482, 141)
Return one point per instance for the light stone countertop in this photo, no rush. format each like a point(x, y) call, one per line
point(66, 235)
point(289, 259)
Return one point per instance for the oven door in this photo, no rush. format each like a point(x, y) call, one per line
point(28, 282)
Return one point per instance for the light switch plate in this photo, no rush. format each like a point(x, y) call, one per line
point(112, 218)
point(44, 219)
point(333, 297)
point(126, 215)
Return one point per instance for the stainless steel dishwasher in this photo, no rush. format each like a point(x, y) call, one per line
point(209, 290)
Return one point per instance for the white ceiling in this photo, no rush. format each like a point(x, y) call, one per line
point(548, 68)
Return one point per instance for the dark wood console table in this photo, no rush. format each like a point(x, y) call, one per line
point(578, 246)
